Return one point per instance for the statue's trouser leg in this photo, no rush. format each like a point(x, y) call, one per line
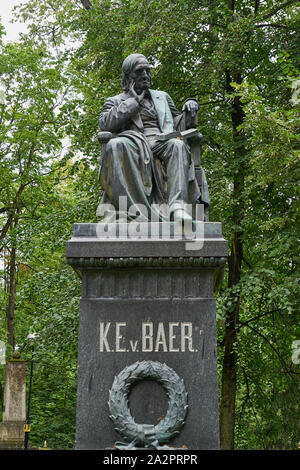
point(121, 176)
point(176, 157)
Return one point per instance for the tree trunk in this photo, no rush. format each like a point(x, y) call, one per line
point(229, 371)
point(86, 3)
point(227, 410)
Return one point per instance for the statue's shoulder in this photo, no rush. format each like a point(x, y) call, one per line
point(163, 95)
point(159, 93)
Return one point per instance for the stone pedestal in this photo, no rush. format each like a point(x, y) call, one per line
point(14, 414)
point(147, 299)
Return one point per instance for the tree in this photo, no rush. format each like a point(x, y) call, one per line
point(238, 59)
point(40, 199)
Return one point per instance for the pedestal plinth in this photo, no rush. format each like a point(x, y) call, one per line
point(147, 297)
point(14, 413)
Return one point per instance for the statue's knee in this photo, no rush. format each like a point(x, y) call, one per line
point(113, 144)
point(178, 148)
point(176, 143)
point(115, 148)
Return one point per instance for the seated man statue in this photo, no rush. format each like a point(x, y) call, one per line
point(150, 171)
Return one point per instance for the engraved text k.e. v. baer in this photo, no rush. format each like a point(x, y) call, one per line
point(153, 337)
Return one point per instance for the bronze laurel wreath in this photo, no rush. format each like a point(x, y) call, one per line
point(146, 435)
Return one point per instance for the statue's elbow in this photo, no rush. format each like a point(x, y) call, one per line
point(103, 126)
point(107, 126)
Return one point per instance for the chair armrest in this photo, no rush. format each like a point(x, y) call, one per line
point(195, 148)
point(104, 137)
point(195, 139)
point(190, 121)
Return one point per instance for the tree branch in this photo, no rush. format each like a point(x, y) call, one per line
point(272, 25)
point(257, 317)
point(276, 352)
point(86, 3)
point(211, 102)
point(13, 211)
point(247, 397)
point(268, 15)
point(231, 5)
point(246, 379)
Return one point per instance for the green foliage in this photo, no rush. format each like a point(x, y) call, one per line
point(53, 84)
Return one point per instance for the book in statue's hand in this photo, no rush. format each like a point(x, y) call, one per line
point(183, 134)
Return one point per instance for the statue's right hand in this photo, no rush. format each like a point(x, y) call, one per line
point(134, 94)
point(132, 91)
point(141, 96)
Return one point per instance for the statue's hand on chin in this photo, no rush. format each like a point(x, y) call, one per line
point(134, 94)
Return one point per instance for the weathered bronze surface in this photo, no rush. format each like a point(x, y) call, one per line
point(147, 435)
point(141, 159)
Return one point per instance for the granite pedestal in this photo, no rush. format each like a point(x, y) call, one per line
point(14, 412)
point(147, 295)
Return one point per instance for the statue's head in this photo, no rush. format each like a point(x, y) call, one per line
point(136, 68)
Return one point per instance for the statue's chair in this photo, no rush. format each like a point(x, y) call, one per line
point(194, 143)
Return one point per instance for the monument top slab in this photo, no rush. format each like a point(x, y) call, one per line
point(146, 240)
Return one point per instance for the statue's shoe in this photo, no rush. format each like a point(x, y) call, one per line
point(180, 215)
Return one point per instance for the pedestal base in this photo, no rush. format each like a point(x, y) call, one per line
point(12, 434)
point(147, 300)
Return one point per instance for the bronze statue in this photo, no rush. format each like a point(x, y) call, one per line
point(142, 158)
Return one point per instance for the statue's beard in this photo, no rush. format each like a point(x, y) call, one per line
point(142, 85)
